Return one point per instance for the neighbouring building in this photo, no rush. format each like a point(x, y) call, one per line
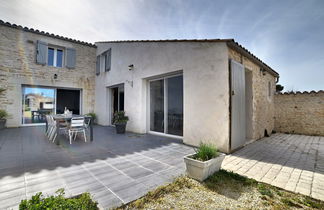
point(43, 73)
point(212, 90)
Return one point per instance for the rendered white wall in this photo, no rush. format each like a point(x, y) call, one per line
point(206, 85)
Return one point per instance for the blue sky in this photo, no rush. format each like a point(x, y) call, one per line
point(288, 35)
point(40, 91)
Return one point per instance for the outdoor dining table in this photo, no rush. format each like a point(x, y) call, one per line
point(62, 117)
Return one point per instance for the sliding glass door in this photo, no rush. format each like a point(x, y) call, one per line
point(37, 102)
point(166, 105)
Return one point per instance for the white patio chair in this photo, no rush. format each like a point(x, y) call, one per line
point(77, 126)
point(49, 126)
point(51, 134)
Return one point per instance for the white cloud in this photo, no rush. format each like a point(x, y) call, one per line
point(286, 35)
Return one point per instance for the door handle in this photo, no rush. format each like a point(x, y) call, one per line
point(233, 93)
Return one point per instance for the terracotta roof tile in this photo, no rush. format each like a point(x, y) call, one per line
point(45, 33)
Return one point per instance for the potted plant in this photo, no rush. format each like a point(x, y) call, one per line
point(3, 118)
point(93, 117)
point(206, 161)
point(120, 121)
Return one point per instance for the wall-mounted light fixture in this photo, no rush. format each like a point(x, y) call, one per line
point(55, 76)
point(131, 67)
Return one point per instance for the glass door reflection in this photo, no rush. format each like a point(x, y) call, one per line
point(166, 105)
point(37, 102)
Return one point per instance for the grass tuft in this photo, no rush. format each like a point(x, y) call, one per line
point(290, 203)
point(205, 152)
point(265, 190)
point(313, 204)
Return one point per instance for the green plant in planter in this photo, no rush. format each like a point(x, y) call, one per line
point(120, 121)
point(120, 118)
point(93, 116)
point(3, 118)
point(205, 152)
point(3, 114)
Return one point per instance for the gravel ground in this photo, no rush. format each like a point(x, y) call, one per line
point(219, 192)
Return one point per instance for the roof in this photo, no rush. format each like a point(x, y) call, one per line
point(35, 31)
point(299, 92)
point(230, 43)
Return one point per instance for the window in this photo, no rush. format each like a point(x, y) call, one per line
point(50, 59)
point(55, 57)
point(103, 63)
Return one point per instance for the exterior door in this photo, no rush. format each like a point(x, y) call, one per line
point(238, 136)
point(166, 105)
point(37, 103)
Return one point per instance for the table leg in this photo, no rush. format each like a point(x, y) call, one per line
point(57, 139)
point(91, 129)
point(46, 125)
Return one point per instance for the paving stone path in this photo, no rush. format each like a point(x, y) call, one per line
point(292, 162)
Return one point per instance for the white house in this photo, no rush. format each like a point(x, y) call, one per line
point(196, 90)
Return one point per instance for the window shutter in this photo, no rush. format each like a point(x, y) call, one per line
point(98, 65)
point(70, 58)
point(41, 52)
point(108, 60)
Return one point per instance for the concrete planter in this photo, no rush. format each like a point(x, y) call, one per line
point(200, 170)
point(2, 123)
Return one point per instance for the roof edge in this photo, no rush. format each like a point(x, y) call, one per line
point(300, 92)
point(31, 30)
point(168, 40)
point(236, 46)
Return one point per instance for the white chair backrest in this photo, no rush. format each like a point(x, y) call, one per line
point(77, 122)
point(52, 120)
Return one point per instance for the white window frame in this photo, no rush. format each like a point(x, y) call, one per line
point(55, 56)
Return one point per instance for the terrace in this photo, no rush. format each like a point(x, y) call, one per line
point(115, 169)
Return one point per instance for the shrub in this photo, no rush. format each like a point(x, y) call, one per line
point(120, 117)
point(3, 114)
point(39, 202)
point(265, 190)
point(205, 152)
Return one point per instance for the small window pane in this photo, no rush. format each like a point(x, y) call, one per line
point(50, 59)
point(59, 58)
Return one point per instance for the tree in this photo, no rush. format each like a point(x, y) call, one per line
point(279, 88)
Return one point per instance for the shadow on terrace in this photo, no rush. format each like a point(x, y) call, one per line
point(27, 149)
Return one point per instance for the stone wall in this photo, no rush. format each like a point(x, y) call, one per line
point(262, 103)
point(301, 113)
point(18, 67)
